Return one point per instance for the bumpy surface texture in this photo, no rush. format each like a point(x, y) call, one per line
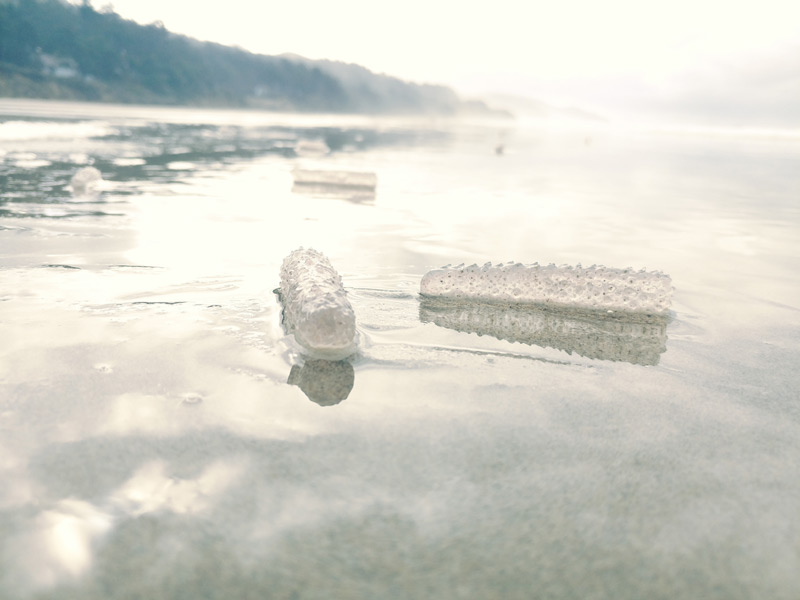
point(85, 180)
point(315, 306)
point(592, 287)
point(631, 337)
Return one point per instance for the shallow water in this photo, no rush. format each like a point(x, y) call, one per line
point(161, 437)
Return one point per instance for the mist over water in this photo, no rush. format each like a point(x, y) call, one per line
point(162, 436)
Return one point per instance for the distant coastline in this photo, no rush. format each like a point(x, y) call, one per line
point(50, 49)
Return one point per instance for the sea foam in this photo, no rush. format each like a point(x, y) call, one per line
point(594, 287)
point(315, 305)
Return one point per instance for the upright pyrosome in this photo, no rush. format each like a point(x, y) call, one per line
point(86, 181)
point(315, 305)
point(594, 287)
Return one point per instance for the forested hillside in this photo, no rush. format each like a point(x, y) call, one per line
point(54, 49)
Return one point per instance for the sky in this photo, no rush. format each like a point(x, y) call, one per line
point(702, 61)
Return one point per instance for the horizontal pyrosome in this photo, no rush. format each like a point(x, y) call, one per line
point(595, 287)
point(315, 305)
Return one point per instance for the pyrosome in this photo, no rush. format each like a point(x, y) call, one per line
point(85, 180)
point(315, 305)
point(594, 287)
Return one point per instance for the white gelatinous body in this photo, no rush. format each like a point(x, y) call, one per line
point(85, 181)
point(593, 287)
point(315, 305)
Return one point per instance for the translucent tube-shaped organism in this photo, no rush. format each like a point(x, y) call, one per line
point(595, 287)
point(86, 181)
point(315, 306)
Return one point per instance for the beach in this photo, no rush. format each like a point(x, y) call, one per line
point(162, 436)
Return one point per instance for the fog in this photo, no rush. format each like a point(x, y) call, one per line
point(697, 63)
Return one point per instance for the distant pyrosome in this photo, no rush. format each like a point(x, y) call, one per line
point(85, 181)
point(316, 310)
point(594, 287)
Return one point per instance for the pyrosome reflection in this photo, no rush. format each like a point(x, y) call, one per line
point(636, 338)
point(353, 186)
point(325, 382)
point(356, 195)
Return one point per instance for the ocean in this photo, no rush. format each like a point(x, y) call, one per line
point(161, 436)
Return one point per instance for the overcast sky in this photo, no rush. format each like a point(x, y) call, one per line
point(731, 61)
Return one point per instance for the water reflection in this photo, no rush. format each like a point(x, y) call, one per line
point(36, 167)
point(639, 339)
point(353, 186)
point(153, 488)
point(58, 544)
point(351, 194)
point(325, 382)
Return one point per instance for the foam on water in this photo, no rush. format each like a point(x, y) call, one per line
point(315, 305)
point(594, 287)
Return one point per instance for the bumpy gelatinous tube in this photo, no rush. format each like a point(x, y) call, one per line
point(315, 305)
point(85, 181)
point(591, 287)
